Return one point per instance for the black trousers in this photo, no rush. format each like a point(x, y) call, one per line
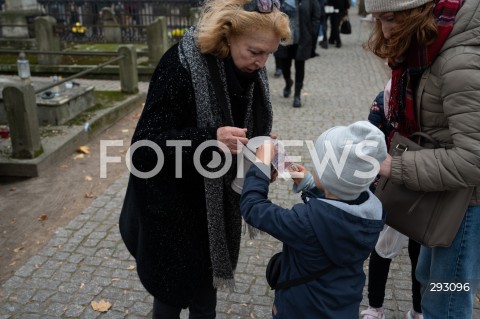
point(286, 64)
point(334, 28)
point(378, 268)
point(202, 306)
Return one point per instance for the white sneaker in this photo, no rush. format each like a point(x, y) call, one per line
point(412, 314)
point(373, 313)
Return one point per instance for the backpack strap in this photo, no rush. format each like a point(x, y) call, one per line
point(303, 280)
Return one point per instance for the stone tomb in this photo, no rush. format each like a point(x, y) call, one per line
point(55, 106)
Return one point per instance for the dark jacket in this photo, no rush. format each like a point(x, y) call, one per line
point(162, 224)
point(305, 24)
point(316, 234)
point(377, 115)
point(341, 5)
point(163, 221)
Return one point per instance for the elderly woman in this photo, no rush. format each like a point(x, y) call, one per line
point(181, 220)
point(433, 49)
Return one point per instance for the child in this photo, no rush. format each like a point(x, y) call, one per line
point(378, 266)
point(338, 223)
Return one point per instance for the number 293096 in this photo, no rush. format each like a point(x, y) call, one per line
point(449, 287)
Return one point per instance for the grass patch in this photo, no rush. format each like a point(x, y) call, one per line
point(103, 100)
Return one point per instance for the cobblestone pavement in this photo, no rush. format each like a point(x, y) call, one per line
point(86, 260)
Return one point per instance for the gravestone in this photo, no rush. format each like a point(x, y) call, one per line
point(13, 20)
point(111, 28)
point(53, 107)
point(157, 39)
point(22, 116)
point(47, 40)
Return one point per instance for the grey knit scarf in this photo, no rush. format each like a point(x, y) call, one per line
point(223, 212)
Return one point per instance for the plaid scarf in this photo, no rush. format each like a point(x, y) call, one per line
point(401, 106)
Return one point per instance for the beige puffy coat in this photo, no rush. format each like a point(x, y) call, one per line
point(448, 106)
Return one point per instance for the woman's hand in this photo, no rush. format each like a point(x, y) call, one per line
point(386, 166)
point(232, 137)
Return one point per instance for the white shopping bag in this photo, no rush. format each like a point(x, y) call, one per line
point(329, 9)
point(390, 242)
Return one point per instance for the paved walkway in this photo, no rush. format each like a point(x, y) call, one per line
point(86, 260)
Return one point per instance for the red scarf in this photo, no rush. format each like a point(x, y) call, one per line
point(401, 108)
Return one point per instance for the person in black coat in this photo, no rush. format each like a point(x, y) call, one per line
point(305, 16)
point(340, 9)
point(208, 95)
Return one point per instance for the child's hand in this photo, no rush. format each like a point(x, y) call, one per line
point(297, 172)
point(265, 153)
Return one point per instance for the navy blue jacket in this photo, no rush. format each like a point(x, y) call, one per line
point(315, 234)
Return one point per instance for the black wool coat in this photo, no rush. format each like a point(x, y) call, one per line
point(163, 221)
point(309, 16)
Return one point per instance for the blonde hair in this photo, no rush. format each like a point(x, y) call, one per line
point(417, 24)
point(221, 19)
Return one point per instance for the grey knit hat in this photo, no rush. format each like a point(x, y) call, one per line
point(349, 158)
point(373, 6)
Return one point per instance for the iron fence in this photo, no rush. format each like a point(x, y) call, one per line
point(132, 16)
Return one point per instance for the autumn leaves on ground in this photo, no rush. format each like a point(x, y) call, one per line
point(32, 209)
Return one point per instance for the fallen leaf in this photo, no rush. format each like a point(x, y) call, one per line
point(252, 315)
point(42, 217)
point(88, 178)
point(78, 156)
point(83, 149)
point(131, 267)
point(115, 279)
point(89, 195)
point(18, 249)
point(101, 306)
point(125, 131)
point(82, 285)
point(13, 264)
point(244, 304)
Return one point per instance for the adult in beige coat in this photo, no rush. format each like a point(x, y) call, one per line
point(433, 49)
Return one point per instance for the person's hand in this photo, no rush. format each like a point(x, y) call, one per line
point(232, 136)
point(386, 166)
point(273, 175)
point(274, 135)
point(297, 172)
point(265, 152)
